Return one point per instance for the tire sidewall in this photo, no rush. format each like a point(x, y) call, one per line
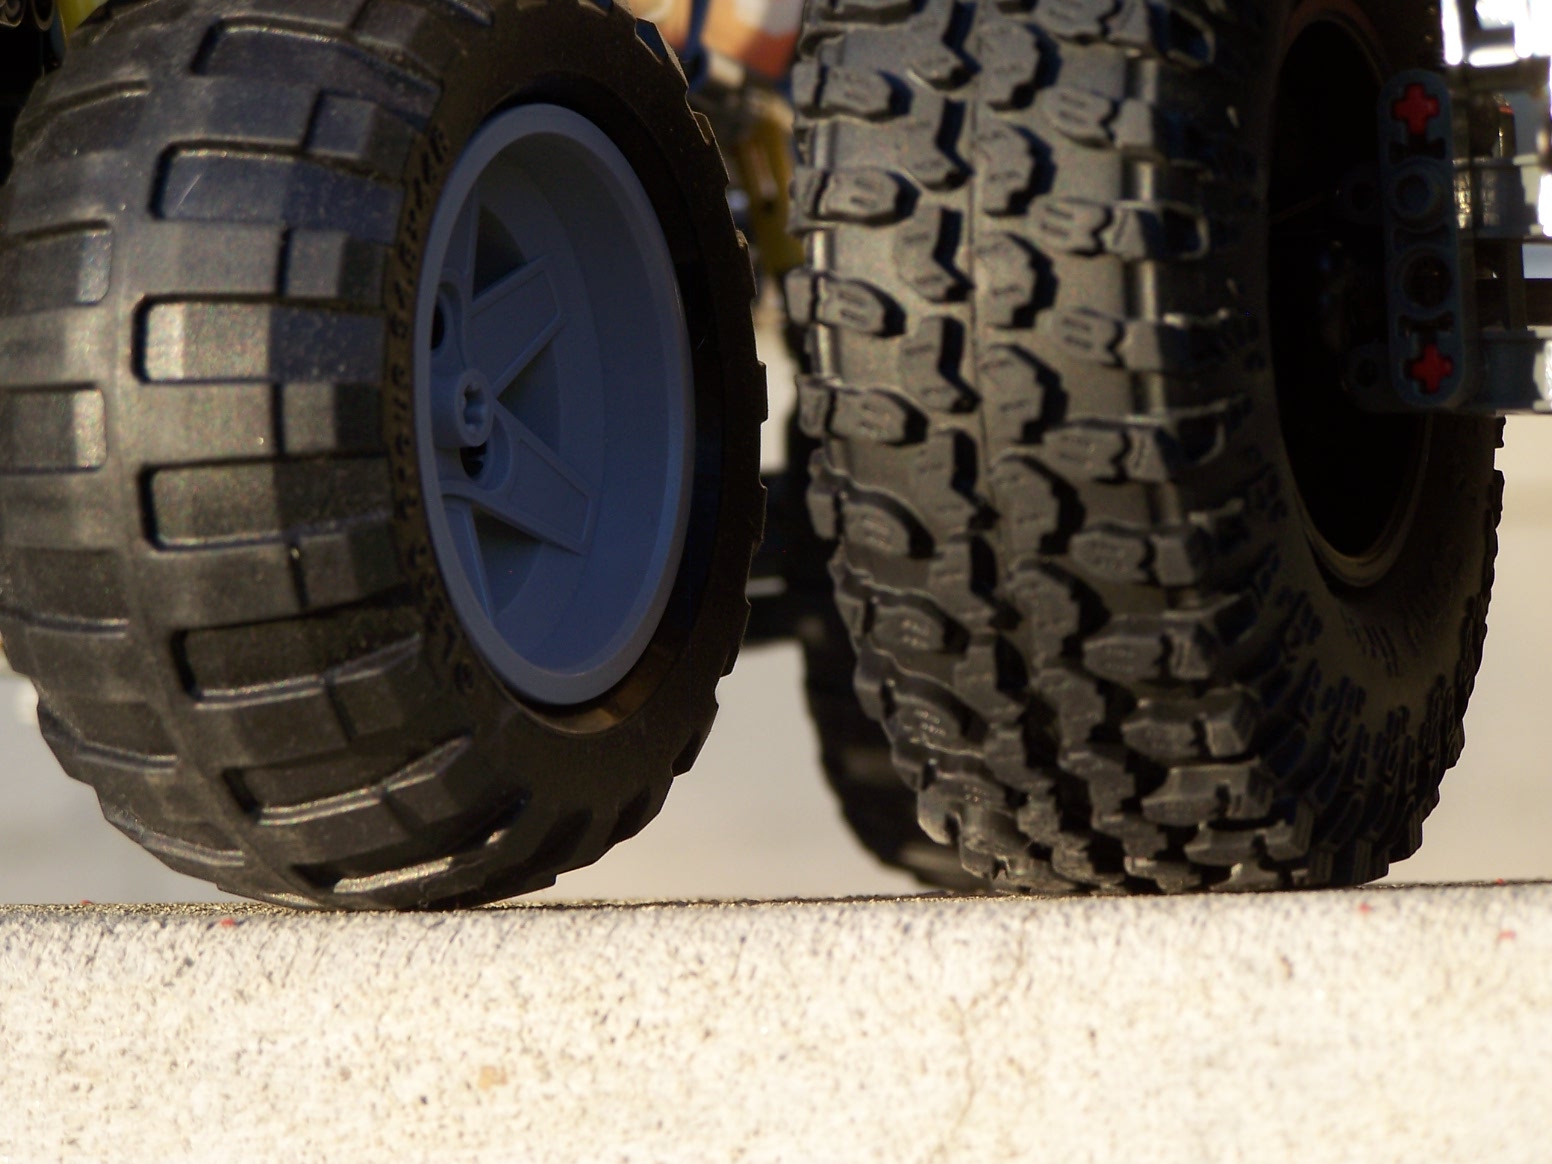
point(1381, 673)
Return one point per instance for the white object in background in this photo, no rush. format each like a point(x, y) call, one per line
point(25, 696)
point(1531, 21)
point(25, 706)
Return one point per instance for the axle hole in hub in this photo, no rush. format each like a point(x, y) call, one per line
point(475, 460)
point(1427, 281)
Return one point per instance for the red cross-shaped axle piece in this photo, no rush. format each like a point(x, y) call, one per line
point(1417, 109)
point(1432, 370)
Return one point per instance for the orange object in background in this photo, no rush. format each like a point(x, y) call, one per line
point(760, 34)
point(672, 18)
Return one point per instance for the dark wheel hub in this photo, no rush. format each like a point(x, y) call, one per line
point(1358, 474)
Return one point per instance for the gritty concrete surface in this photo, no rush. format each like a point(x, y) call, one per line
point(1353, 1027)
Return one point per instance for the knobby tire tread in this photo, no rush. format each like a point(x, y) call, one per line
point(1068, 554)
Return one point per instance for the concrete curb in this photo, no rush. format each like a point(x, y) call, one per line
point(1361, 1026)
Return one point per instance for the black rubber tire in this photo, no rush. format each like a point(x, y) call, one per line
point(854, 752)
point(214, 563)
point(1073, 557)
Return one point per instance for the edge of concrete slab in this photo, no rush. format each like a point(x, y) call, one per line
point(1366, 1025)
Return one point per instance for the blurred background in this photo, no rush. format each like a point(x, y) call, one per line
point(754, 818)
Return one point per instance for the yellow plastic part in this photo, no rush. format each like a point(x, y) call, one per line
point(75, 11)
point(763, 159)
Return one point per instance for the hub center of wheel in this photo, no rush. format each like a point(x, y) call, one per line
point(469, 414)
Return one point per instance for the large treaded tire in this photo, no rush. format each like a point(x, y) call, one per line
point(854, 752)
point(214, 562)
point(1072, 553)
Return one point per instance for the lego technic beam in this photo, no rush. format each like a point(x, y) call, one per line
point(1465, 191)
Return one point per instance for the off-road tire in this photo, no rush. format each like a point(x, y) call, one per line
point(1072, 557)
point(214, 559)
point(854, 752)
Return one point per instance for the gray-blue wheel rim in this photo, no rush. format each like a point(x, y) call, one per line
point(554, 403)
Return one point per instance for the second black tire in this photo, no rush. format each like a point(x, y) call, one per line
point(1141, 600)
point(215, 556)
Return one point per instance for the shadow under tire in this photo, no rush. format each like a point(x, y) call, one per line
point(218, 554)
point(1106, 603)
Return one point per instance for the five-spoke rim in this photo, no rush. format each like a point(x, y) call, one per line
point(554, 404)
